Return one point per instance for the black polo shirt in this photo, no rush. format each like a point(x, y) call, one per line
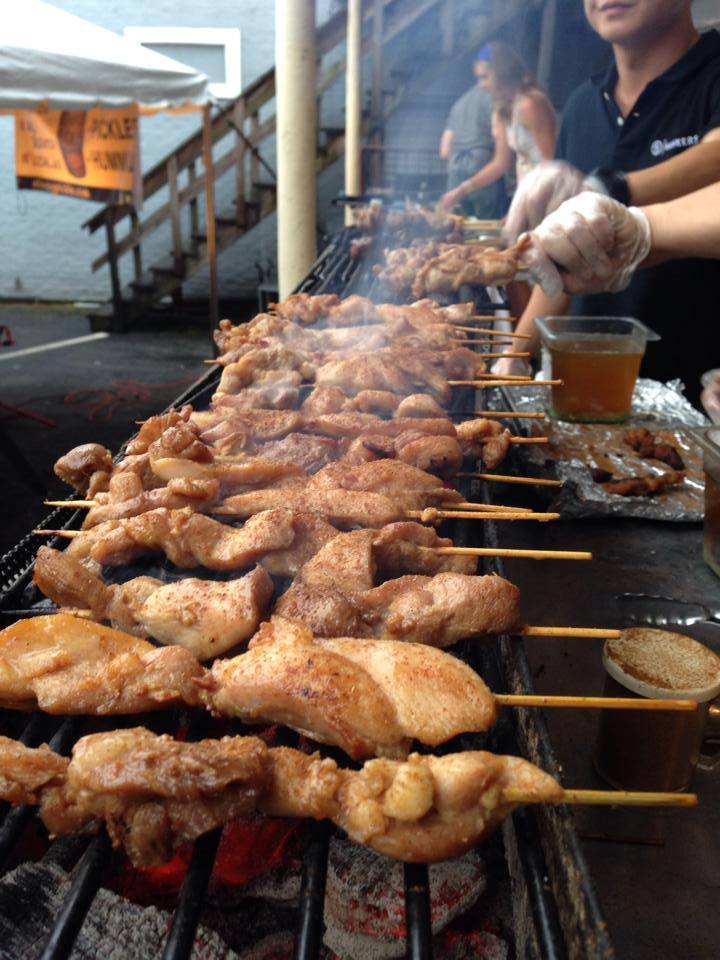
point(680, 298)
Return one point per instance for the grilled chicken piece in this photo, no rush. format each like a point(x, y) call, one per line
point(154, 793)
point(441, 610)
point(307, 309)
point(428, 809)
point(644, 486)
point(344, 508)
point(207, 617)
point(420, 405)
point(282, 393)
point(406, 691)
point(323, 400)
point(180, 492)
point(394, 478)
point(382, 371)
point(380, 403)
point(78, 465)
point(308, 453)
point(485, 440)
point(353, 425)
point(191, 540)
point(457, 264)
point(69, 666)
point(409, 547)
point(154, 427)
point(25, 773)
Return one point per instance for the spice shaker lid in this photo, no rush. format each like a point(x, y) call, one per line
point(662, 664)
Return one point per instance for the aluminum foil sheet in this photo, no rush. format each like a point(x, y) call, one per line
point(575, 448)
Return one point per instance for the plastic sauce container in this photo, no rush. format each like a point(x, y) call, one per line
point(598, 360)
point(710, 442)
point(654, 750)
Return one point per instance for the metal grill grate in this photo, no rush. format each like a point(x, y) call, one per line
point(334, 272)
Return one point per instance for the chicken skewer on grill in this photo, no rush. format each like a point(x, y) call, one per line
point(408, 692)
point(281, 540)
point(445, 268)
point(154, 793)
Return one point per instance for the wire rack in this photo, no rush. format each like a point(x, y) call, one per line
point(543, 857)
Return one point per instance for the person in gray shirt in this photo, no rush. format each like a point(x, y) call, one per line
point(467, 144)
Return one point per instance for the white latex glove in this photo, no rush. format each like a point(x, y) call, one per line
point(511, 365)
point(710, 397)
point(590, 244)
point(541, 191)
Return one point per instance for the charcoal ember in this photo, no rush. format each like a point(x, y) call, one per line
point(599, 475)
point(32, 895)
point(475, 945)
point(365, 899)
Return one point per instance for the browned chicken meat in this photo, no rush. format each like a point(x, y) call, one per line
point(279, 539)
point(406, 692)
point(69, 666)
point(78, 465)
point(395, 371)
point(207, 617)
point(154, 793)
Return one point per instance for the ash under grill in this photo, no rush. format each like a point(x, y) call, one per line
point(549, 896)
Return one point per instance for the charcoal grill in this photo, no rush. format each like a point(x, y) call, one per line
point(556, 911)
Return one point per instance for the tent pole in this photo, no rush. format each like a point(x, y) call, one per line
point(210, 224)
point(353, 106)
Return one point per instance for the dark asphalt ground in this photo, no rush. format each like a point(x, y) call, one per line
point(93, 391)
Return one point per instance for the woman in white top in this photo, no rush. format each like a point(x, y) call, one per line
point(524, 123)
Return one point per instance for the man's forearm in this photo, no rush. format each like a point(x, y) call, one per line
point(686, 227)
point(539, 305)
point(690, 170)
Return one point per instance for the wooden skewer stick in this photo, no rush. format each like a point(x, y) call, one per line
point(611, 798)
point(495, 333)
point(516, 382)
point(507, 353)
point(529, 439)
point(491, 316)
point(473, 505)
point(500, 414)
point(433, 513)
point(67, 534)
point(503, 478)
point(70, 503)
point(599, 633)
point(512, 552)
point(599, 703)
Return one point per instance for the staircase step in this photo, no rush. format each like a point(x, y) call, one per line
point(265, 185)
point(146, 281)
point(167, 266)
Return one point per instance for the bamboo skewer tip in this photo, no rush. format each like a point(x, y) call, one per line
point(619, 798)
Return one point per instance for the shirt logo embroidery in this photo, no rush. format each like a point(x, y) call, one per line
point(659, 147)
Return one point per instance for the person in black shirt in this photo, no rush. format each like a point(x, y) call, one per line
point(645, 132)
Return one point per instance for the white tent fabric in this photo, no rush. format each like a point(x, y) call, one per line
point(50, 58)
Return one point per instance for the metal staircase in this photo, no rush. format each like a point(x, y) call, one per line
point(239, 130)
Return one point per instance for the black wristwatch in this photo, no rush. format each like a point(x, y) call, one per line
point(613, 182)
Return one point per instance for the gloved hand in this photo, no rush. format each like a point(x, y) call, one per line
point(541, 191)
point(511, 366)
point(590, 244)
point(710, 397)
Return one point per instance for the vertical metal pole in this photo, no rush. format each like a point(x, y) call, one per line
point(376, 98)
point(353, 105)
point(296, 139)
point(547, 44)
point(210, 224)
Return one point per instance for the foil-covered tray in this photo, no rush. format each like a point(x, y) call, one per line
point(575, 449)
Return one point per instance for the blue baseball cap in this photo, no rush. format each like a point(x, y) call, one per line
point(484, 53)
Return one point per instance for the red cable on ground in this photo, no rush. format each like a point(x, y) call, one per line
point(120, 393)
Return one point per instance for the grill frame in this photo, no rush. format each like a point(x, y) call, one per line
point(539, 843)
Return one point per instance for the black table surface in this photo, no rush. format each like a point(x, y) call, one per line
point(657, 871)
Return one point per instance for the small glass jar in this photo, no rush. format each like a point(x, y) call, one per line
point(654, 750)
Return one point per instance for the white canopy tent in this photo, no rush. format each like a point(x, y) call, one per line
point(53, 59)
point(50, 59)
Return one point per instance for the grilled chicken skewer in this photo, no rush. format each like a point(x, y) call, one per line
point(154, 793)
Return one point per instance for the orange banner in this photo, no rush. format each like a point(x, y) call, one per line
point(91, 154)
